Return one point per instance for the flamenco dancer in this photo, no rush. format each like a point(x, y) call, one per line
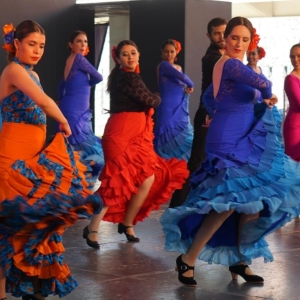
point(247, 187)
point(42, 190)
point(134, 180)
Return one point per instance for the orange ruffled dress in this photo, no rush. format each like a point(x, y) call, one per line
point(42, 191)
point(129, 153)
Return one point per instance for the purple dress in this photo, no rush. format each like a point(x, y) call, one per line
point(245, 170)
point(74, 102)
point(173, 130)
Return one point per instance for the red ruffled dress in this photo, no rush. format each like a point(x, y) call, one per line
point(129, 153)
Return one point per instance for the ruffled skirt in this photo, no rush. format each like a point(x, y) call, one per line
point(265, 182)
point(129, 160)
point(174, 135)
point(85, 142)
point(41, 193)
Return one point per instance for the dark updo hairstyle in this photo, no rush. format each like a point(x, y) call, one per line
point(73, 36)
point(22, 31)
point(112, 75)
point(168, 42)
point(236, 22)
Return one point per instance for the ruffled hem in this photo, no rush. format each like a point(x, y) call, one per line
point(270, 188)
point(175, 142)
point(31, 237)
point(123, 174)
point(39, 198)
point(91, 154)
point(84, 141)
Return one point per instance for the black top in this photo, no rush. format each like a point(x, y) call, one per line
point(128, 93)
point(209, 60)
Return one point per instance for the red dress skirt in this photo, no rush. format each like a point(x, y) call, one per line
point(129, 160)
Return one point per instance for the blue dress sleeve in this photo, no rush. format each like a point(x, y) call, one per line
point(166, 69)
point(83, 65)
point(209, 100)
point(240, 73)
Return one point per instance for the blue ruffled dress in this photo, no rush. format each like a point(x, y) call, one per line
point(173, 130)
point(74, 102)
point(245, 170)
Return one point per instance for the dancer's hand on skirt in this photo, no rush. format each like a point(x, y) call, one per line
point(65, 129)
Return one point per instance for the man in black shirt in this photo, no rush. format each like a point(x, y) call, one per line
point(215, 32)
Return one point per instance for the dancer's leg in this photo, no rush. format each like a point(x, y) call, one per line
point(211, 223)
point(95, 222)
point(243, 220)
point(136, 202)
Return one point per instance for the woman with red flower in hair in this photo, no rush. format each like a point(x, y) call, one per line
point(173, 130)
point(254, 56)
point(74, 101)
point(43, 190)
point(134, 180)
point(246, 187)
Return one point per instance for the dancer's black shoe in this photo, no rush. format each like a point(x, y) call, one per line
point(182, 267)
point(123, 229)
point(86, 232)
point(30, 297)
point(241, 270)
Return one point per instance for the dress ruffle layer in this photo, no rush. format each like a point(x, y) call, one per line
point(85, 142)
point(39, 198)
point(175, 142)
point(174, 136)
point(265, 182)
point(131, 161)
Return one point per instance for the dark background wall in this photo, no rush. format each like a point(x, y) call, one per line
point(151, 23)
point(59, 18)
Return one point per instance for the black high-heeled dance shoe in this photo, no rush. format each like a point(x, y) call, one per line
point(123, 229)
point(241, 270)
point(30, 297)
point(90, 243)
point(182, 267)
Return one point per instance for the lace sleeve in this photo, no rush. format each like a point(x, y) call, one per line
point(209, 100)
point(166, 69)
point(136, 89)
point(240, 73)
point(84, 66)
point(61, 89)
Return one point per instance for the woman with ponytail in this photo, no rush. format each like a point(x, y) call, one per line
point(134, 180)
point(42, 190)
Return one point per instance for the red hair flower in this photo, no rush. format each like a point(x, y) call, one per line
point(8, 47)
point(254, 41)
point(8, 36)
point(178, 46)
point(114, 54)
point(261, 52)
point(7, 28)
